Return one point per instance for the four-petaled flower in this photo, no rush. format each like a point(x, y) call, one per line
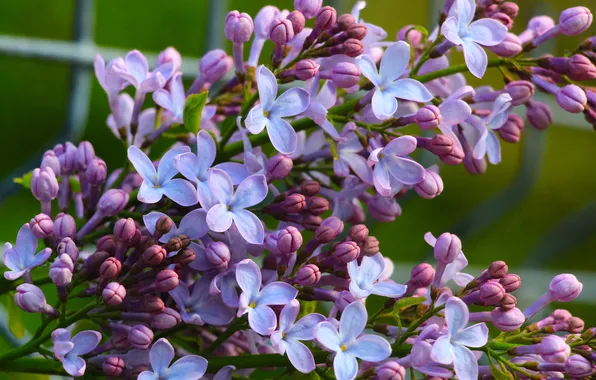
point(173, 100)
point(232, 205)
point(453, 346)
point(287, 338)
point(460, 30)
point(324, 99)
point(271, 111)
point(387, 84)
point(189, 367)
point(20, 259)
point(146, 121)
point(452, 270)
point(364, 279)
point(393, 168)
point(135, 69)
point(255, 301)
point(69, 351)
point(160, 182)
point(348, 157)
point(348, 344)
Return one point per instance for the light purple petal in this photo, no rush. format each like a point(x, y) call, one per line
point(357, 291)
point(368, 68)
point(381, 179)
point(291, 103)
point(191, 367)
point(442, 351)
point(388, 289)
point(401, 146)
point(360, 167)
point(85, 342)
point(221, 186)
point(137, 65)
point(262, 320)
point(166, 70)
point(154, 82)
point(181, 191)
point(225, 373)
point(163, 99)
point(304, 328)
point(205, 196)
point(487, 32)
point(435, 370)
point(371, 268)
point(206, 151)
point(456, 315)
point(188, 165)
point(288, 315)
point(340, 167)
point(11, 258)
point(252, 191)
point(161, 355)
point(148, 193)
point(229, 296)
point(249, 226)
point(353, 321)
point(409, 89)
point(450, 29)
point(255, 120)
point(151, 219)
point(465, 9)
point(180, 294)
point(214, 311)
point(194, 224)
point(371, 348)
point(455, 111)
point(300, 356)
point(13, 275)
point(383, 104)
point(326, 334)
point(493, 148)
point(177, 92)
point(327, 95)
point(142, 164)
point(345, 366)
point(61, 349)
point(219, 219)
point(26, 243)
point(267, 86)
point(148, 375)
point(476, 58)
point(464, 363)
point(166, 170)
point(277, 293)
point(395, 61)
point(473, 336)
point(236, 171)
point(40, 258)
point(74, 365)
point(330, 130)
point(282, 135)
point(248, 277)
point(405, 170)
point(500, 111)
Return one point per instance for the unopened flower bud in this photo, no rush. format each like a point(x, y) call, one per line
point(184, 240)
point(165, 320)
point(329, 229)
point(497, 269)
point(140, 337)
point(294, 203)
point(447, 247)
point(510, 9)
point(503, 19)
point(308, 7)
point(31, 299)
point(61, 270)
point(440, 145)
point(113, 366)
point(565, 288)
point(298, 21)
point(473, 165)
point(124, 230)
point(279, 166)
point(491, 293)
point(164, 224)
point(96, 172)
point(345, 75)
point(509, 47)
point(93, 262)
point(44, 185)
point(306, 69)
point(281, 31)
point(110, 269)
point(147, 304)
point(511, 282)
point(344, 22)
point(370, 247)
point(154, 255)
point(346, 251)
point(217, 253)
point(238, 27)
point(431, 186)
point(326, 18)
point(68, 159)
point(64, 226)
point(358, 233)
point(428, 117)
point(317, 205)
point(422, 275)
point(357, 31)
point(50, 160)
point(166, 280)
point(508, 302)
point(455, 157)
point(106, 243)
point(410, 35)
point(85, 154)
point(390, 370)
point(42, 226)
point(578, 367)
point(185, 256)
point(572, 98)
point(174, 244)
point(512, 129)
point(351, 47)
point(308, 275)
point(539, 115)
point(574, 21)
point(112, 202)
point(114, 293)
point(507, 320)
point(554, 349)
point(170, 54)
point(310, 188)
point(520, 91)
point(384, 209)
point(575, 325)
point(214, 65)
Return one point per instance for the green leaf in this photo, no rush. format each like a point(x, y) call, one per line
point(407, 302)
point(499, 373)
point(307, 307)
point(301, 376)
point(74, 183)
point(193, 109)
point(25, 180)
point(15, 322)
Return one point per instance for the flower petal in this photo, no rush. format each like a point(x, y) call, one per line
point(74, 365)
point(405, 170)
point(148, 375)
point(277, 293)
point(388, 289)
point(395, 61)
point(450, 29)
point(371, 348)
point(206, 151)
point(464, 363)
point(161, 355)
point(166, 170)
point(252, 191)
point(249, 226)
point(455, 111)
point(62, 348)
point(300, 356)
point(465, 9)
point(248, 277)
point(26, 243)
point(290, 103)
point(282, 135)
point(476, 58)
point(40, 258)
point(255, 120)
point(137, 65)
point(401, 146)
point(148, 193)
point(194, 224)
point(371, 268)
point(442, 351)
point(383, 105)
point(191, 367)
point(353, 321)
point(85, 342)
point(267, 86)
point(359, 166)
point(288, 315)
point(327, 335)
point(262, 319)
point(11, 258)
point(221, 186)
point(213, 311)
point(345, 366)
point(225, 373)
point(368, 68)
point(456, 315)
point(219, 219)
point(142, 164)
point(163, 99)
point(487, 32)
point(381, 179)
point(409, 89)
point(493, 148)
point(304, 328)
point(181, 191)
point(473, 336)
point(235, 170)
point(188, 165)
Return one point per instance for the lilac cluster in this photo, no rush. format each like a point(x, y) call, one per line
point(235, 260)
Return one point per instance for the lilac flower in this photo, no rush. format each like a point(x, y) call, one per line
point(419, 358)
point(69, 351)
point(374, 33)
point(345, 199)
point(232, 205)
point(348, 344)
point(160, 182)
point(393, 168)
point(271, 111)
point(324, 99)
point(190, 367)
point(387, 84)
point(173, 100)
point(135, 69)
point(195, 168)
point(109, 81)
point(452, 270)
point(146, 121)
point(364, 279)
point(453, 347)
point(193, 225)
point(460, 30)
point(453, 112)
point(199, 307)
point(255, 301)
point(21, 259)
point(349, 157)
point(287, 338)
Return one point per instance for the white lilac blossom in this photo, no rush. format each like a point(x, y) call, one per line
point(393, 168)
point(191, 367)
point(232, 206)
point(287, 339)
point(135, 70)
point(453, 346)
point(272, 109)
point(21, 258)
point(348, 344)
point(365, 279)
point(387, 82)
point(461, 30)
point(69, 350)
point(195, 168)
point(159, 182)
point(256, 301)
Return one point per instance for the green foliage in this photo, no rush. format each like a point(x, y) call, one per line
point(14, 319)
point(193, 109)
point(25, 180)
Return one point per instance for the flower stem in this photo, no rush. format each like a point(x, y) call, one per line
point(237, 325)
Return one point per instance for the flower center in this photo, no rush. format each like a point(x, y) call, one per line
point(266, 113)
point(343, 347)
point(188, 309)
point(253, 305)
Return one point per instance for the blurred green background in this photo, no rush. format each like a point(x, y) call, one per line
point(536, 210)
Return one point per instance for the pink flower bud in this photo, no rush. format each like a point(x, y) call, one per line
point(383, 209)
point(512, 129)
point(508, 302)
point(474, 166)
point(575, 325)
point(509, 47)
point(561, 315)
point(61, 270)
point(507, 320)
point(326, 18)
point(64, 226)
point(539, 115)
point(510, 9)
point(317, 205)
point(281, 31)
point(154, 255)
point(345, 75)
point(294, 203)
point(346, 251)
point(329, 229)
point(170, 54)
point(166, 280)
point(491, 293)
point(42, 226)
point(447, 247)
point(352, 47)
point(113, 366)
point(238, 27)
point(410, 35)
point(112, 202)
point(497, 269)
point(308, 275)
point(554, 349)
point(110, 268)
point(214, 65)
point(574, 21)
point(279, 166)
point(31, 299)
point(345, 21)
point(440, 145)
point(85, 154)
point(431, 186)
point(308, 7)
point(565, 288)
point(310, 188)
point(306, 69)
point(114, 293)
point(422, 275)
point(44, 184)
point(165, 320)
point(96, 172)
point(370, 246)
point(106, 243)
point(140, 337)
point(286, 241)
point(390, 371)
point(504, 19)
point(428, 117)
point(581, 68)
point(572, 98)
point(124, 230)
point(520, 91)
point(455, 157)
point(147, 304)
point(358, 233)
point(217, 253)
point(298, 21)
point(357, 31)
point(578, 367)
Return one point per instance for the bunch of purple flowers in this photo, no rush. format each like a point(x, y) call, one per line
point(236, 258)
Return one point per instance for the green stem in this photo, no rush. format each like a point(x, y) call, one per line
point(7, 286)
point(410, 331)
point(237, 325)
point(229, 131)
point(463, 68)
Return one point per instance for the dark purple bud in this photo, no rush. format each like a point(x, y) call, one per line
point(298, 21)
point(238, 27)
point(440, 145)
point(69, 247)
point(358, 233)
point(93, 262)
point(31, 299)
point(370, 246)
point(294, 203)
point(114, 293)
point(112, 202)
point(455, 157)
point(520, 91)
point(507, 320)
point(344, 22)
point(510, 9)
point(351, 47)
point(185, 257)
point(509, 47)
point(305, 69)
point(166, 280)
point(539, 115)
point(491, 293)
point(85, 154)
point(218, 254)
point(50, 160)
point(106, 243)
point(511, 282)
point(124, 230)
point(308, 7)
point(279, 166)
point(165, 320)
point(581, 68)
point(214, 65)
point(431, 186)
point(110, 269)
point(422, 275)
point(474, 166)
point(578, 367)
point(574, 21)
point(311, 222)
point(61, 270)
point(317, 205)
point(164, 224)
point(390, 370)
point(383, 209)
point(508, 302)
point(68, 160)
point(564, 288)
point(147, 304)
point(326, 18)
point(572, 98)
point(308, 275)
point(329, 229)
point(575, 325)
point(44, 185)
point(64, 226)
point(497, 269)
point(503, 19)
point(113, 366)
point(170, 54)
point(428, 117)
point(154, 255)
point(357, 31)
point(281, 31)
point(310, 188)
point(512, 129)
point(96, 172)
point(42, 226)
point(346, 251)
point(140, 337)
point(447, 247)
point(174, 244)
point(345, 75)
